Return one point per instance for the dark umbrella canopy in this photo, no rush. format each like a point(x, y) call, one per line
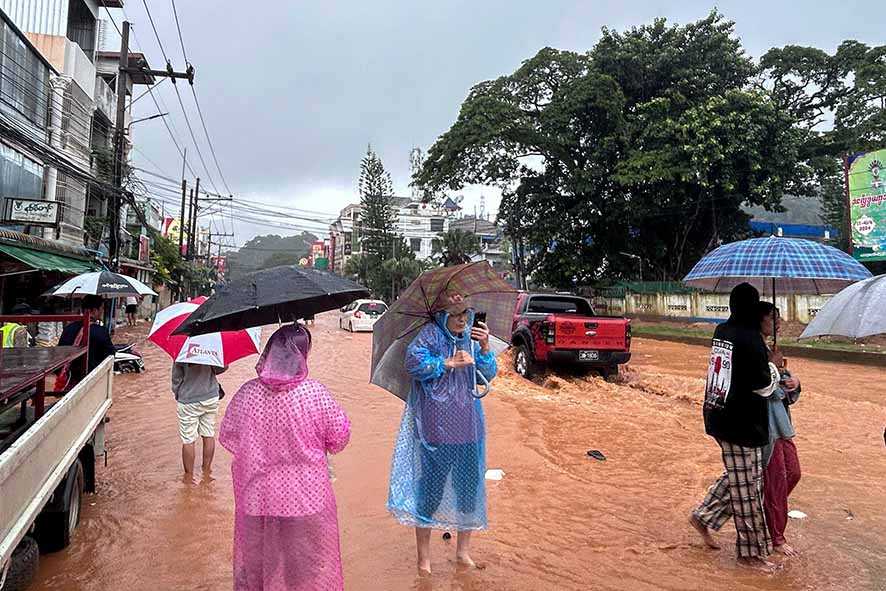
point(270, 296)
point(101, 283)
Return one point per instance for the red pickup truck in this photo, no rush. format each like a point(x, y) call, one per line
point(563, 329)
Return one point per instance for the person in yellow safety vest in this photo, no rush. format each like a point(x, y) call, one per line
point(13, 334)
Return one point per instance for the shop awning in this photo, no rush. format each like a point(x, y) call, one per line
point(48, 261)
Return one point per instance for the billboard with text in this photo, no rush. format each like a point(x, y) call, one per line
point(867, 205)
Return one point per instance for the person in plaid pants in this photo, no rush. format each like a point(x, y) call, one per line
point(742, 374)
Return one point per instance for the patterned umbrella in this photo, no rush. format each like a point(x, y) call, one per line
point(483, 290)
point(786, 265)
point(858, 311)
point(775, 264)
point(217, 348)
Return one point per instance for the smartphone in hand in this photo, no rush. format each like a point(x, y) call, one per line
point(479, 317)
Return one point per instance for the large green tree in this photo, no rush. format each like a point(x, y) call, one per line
point(648, 144)
point(837, 103)
point(378, 215)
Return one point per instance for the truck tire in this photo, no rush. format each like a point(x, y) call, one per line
point(610, 373)
point(523, 363)
point(55, 528)
point(22, 565)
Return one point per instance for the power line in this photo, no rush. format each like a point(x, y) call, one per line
point(180, 38)
point(209, 141)
point(194, 138)
point(156, 34)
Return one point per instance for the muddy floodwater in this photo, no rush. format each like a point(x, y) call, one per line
point(559, 519)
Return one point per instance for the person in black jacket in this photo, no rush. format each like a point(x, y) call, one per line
point(100, 344)
point(742, 374)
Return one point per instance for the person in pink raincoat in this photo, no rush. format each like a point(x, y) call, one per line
point(279, 428)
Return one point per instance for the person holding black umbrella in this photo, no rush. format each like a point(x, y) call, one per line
point(279, 428)
point(100, 344)
point(742, 374)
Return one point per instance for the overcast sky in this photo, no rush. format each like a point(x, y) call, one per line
point(293, 91)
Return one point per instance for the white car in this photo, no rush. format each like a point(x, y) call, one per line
point(361, 315)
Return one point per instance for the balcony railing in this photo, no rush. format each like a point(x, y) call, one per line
point(105, 99)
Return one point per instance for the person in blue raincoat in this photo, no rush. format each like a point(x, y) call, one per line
point(439, 463)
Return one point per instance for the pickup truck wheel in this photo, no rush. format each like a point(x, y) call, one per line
point(22, 565)
point(610, 373)
point(523, 363)
point(56, 529)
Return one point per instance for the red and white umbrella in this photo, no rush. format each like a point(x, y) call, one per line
point(217, 348)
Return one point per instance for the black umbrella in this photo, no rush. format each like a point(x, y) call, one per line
point(280, 294)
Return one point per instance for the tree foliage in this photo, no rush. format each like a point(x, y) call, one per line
point(378, 215)
point(386, 277)
point(171, 269)
point(455, 247)
point(166, 260)
point(650, 144)
point(837, 103)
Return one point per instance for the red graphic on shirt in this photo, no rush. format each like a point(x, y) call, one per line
point(719, 374)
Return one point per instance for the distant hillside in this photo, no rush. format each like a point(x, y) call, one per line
point(269, 251)
point(799, 210)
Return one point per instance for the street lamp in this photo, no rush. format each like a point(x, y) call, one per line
point(639, 258)
point(157, 116)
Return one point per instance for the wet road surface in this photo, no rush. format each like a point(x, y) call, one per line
point(558, 520)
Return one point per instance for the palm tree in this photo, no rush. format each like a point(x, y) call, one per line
point(455, 247)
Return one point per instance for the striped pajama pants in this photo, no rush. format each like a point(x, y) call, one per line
point(738, 493)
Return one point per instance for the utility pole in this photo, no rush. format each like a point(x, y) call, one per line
point(192, 250)
point(181, 221)
point(182, 211)
point(191, 216)
point(123, 74)
point(119, 151)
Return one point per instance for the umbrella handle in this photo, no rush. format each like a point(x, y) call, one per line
point(487, 388)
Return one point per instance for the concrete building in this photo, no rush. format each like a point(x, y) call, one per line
point(419, 223)
point(65, 33)
point(343, 238)
point(25, 88)
point(491, 241)
point(80, 111)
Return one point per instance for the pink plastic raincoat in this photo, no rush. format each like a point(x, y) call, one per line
point(279, 428)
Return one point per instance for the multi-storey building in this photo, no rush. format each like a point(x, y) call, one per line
point(419, 223)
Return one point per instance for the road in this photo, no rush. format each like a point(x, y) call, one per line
point(558, 520)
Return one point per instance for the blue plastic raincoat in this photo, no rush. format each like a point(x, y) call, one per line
point(439, 464)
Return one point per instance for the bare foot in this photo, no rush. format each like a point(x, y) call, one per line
point(466, 562)
point(424, 568)
point(760, 564)
point(705, 532)
point(789, 551)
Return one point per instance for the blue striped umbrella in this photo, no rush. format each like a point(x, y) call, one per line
point(785, 265)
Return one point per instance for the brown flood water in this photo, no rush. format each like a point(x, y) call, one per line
point(558, 519)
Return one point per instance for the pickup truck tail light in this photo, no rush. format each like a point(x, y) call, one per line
point(548, 332)
point(627, 335)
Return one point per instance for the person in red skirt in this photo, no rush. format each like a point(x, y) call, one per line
point(782, 464)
